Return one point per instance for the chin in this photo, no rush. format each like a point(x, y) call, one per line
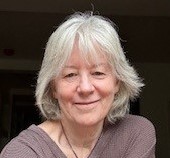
point(89, 122)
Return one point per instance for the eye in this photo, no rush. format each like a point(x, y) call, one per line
point(70, 75)
point(98, 73)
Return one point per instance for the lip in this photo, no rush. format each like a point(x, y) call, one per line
point(86, 106)
point(86, 103)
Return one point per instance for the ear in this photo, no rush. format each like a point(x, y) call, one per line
point(53, 89)
point(117, 86)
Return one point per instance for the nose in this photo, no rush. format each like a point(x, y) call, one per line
point(85, 86)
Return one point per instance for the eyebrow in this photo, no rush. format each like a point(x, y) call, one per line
point(70, 66)
point(92, 66)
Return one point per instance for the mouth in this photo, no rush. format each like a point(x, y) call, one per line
point(86, 103)
point(87, 106)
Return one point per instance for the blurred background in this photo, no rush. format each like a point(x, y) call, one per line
point(144, 27)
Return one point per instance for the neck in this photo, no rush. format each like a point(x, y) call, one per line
point(82, 136)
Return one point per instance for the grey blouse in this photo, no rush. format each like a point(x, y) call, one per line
point(131, 137)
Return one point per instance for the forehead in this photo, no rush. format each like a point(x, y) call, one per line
point(89, 57)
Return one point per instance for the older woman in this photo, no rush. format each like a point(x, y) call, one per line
point(83, 92)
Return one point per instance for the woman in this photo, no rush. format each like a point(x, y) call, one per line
point(83, 91)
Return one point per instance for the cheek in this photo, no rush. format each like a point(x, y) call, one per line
point(109, 88)
point(62, 92)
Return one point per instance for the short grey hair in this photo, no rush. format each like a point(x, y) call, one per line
point(88, 29)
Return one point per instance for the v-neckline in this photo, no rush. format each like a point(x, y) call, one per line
point(58, 153)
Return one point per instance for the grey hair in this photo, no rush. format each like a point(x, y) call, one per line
point(88, 30)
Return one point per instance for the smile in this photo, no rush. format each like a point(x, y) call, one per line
point(86, 106)
point(86, 103)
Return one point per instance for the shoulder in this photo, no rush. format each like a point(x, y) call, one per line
point(133, 127)
point(138, 129)
point(17, 149)
point(135, 122)
point(135, 135)
point(142, 137)
point(23, 146)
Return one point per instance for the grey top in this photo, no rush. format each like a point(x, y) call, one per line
point(131, 137)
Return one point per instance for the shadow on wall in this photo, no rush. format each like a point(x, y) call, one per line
point(17, 104)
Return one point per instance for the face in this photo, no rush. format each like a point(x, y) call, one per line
point(85, 92)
